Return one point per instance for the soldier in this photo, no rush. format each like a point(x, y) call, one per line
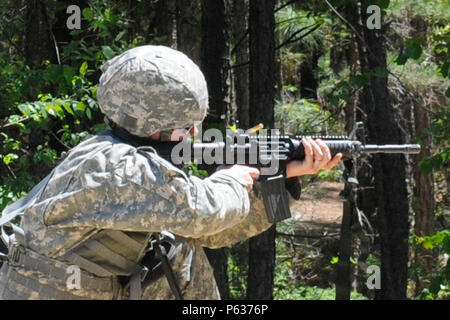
point(116, 221)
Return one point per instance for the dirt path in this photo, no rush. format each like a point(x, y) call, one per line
point(320, 204)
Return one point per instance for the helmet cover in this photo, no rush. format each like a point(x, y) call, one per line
point(152, 88)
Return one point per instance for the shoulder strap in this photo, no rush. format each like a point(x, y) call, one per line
point(161, 254)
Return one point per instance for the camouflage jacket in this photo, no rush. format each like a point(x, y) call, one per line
point(105, 184)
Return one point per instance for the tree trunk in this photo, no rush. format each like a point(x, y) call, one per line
point(308, 82)
point(219, 261)
point(262, 62)
point(38, 41)
point(215, 64)
point(343, 268)
point(189, 28)
point(241, 73)
point(423, 202)
point(389, 170)
point(216, 57)
point(162, 28)
point(59, 27)
point(262, 92)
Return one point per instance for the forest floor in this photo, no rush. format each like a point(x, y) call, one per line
point(311, 237)
point(320, 204)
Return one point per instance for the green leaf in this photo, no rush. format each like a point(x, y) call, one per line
point(68, 49)
point(80, 106)
point(88, 14)
point(83, 68)
point(401, 59)
point(438, 238)
point(426, 166)
point(59, 111)
point(428, 244)
point(89, 113)
point(108, 52)
point(334, 100)
point(68, 109)
point(120, 35)
point(68, 73)
point(360, 80)
point(50, 110)
point(443, 70)
point(27, 109)
point(91, 102)
point(10, 157)
point(437, 161)
point(414, 50)
point(334, 260)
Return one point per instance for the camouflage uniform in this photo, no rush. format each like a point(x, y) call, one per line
point(103, 201)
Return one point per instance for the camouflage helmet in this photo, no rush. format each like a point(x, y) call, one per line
point(152, 88)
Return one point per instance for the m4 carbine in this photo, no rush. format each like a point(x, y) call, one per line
point(270, 154)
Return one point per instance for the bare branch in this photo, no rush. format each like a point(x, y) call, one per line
point(243, 64)
point(57, 139)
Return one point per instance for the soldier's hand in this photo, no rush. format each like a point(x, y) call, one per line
point(317, 157)
point(245, 173)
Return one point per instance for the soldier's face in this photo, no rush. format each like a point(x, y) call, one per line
point(180, 134)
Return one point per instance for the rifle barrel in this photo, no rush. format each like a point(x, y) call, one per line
point(391, 148)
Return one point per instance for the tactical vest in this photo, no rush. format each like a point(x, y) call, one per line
point(28, 275)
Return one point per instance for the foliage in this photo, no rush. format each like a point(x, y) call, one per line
point(194, 170)
point(36, 132)
point(440, 285)
point(237, 271)
point(304, 117)
point(435, 10)
point(335, 89)
point(294, 25)
point(287, 286)
point(331, 175)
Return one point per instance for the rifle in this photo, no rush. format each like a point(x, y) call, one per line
point(270, 154)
